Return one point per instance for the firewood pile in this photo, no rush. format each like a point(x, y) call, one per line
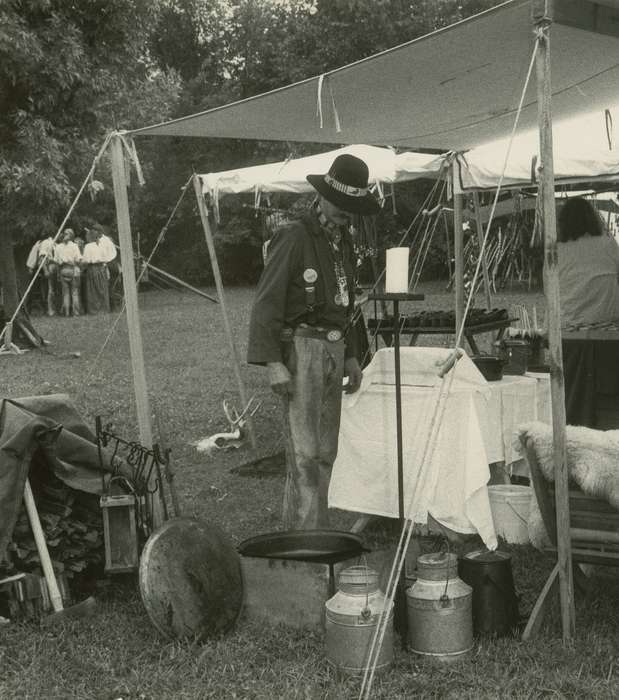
point(72, 524)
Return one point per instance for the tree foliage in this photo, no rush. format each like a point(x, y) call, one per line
point(241, 48)
point(72, 70)
point(69, 71)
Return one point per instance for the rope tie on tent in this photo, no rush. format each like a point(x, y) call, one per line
point(380, 193)
point(257, 196)
point(215, 202)
point(447, 374)
point(608, 119)
point(132, 154)
point(87, 180)
point(322, 78)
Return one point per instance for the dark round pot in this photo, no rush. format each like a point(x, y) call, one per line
point(491, 367)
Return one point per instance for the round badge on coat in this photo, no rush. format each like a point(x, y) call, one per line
point(310, 275)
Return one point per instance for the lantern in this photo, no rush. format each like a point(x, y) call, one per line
point(119, 531)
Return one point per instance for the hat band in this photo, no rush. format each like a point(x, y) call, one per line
point(346, 189)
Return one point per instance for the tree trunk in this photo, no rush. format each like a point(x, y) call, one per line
point(8, 276)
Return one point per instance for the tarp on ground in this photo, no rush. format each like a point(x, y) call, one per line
point(53, 425)
point(450, 90)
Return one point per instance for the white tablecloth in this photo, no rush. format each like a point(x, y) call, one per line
point(513, 400)
point(453, 488)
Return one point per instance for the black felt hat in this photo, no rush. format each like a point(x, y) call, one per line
point(346, 186)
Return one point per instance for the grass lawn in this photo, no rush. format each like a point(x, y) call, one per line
point(119, 654)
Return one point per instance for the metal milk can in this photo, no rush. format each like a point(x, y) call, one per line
point(352, 616)
point(440, 620)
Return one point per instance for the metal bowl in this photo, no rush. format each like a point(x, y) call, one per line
point(320, 546)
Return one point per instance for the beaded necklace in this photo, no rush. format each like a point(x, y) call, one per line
point(334, 237)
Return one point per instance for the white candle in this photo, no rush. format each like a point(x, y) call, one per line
point(396, 280)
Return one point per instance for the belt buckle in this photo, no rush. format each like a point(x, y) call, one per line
point(334, 335)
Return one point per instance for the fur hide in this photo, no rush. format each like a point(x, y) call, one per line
point(592, 462)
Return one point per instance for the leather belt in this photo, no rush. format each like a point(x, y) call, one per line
point(333, 335)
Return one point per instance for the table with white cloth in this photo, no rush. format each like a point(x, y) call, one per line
point(475, 422)
point(514, 400)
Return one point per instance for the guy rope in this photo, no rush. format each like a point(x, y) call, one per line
point(446, 373)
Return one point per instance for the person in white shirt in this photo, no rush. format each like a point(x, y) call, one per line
point(110, 258)
point(43, 251)
point(68, 257)
point(588, 266)
point(97, 299)
point(107, 248)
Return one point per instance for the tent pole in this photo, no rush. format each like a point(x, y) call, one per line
point(222, 300)
point(119, 177)
point(458, 252)
point(544, 101)
point(178, 281)
point(484, 260)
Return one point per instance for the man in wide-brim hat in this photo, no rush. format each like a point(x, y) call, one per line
point(301, 329)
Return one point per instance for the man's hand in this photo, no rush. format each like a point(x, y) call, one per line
point(279, 378)
point(352, 370)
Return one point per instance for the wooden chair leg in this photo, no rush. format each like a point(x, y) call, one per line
point(541, 605)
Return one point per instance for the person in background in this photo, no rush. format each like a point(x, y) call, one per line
point(589, 295)
point(300, 329)
point(96, 295)
point(109, 255)
point(69, 259)
point(588, 266)
point(45, 250)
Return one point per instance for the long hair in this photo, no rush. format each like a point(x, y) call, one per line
point(577, 217)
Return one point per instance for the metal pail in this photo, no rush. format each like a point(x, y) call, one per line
point(495, 603)
point(352, 616)
point(440, 620)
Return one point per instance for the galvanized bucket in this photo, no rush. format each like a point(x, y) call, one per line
point(352, 616)
point(440, 621)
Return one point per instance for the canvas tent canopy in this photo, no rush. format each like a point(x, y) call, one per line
point(405, 97)
point(290, 176)
point(583, 153)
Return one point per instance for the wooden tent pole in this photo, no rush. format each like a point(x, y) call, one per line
point(119, 178)
point(458, 253)
point(131, 298)
point(222, 301)
point(544, 100)
point(484, 261)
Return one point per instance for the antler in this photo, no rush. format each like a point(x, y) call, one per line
point(238, 420)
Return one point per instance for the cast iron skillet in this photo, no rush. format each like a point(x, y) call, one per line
point(319, 546)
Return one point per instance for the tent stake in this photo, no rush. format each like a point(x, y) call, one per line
point(222, 300)
point(119, 177)
point(551, 286)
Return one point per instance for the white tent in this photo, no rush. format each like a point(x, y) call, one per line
point(290, 175)
point(583, 152)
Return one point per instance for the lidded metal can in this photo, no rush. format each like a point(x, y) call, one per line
point(440, 620)
point(352, 616)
